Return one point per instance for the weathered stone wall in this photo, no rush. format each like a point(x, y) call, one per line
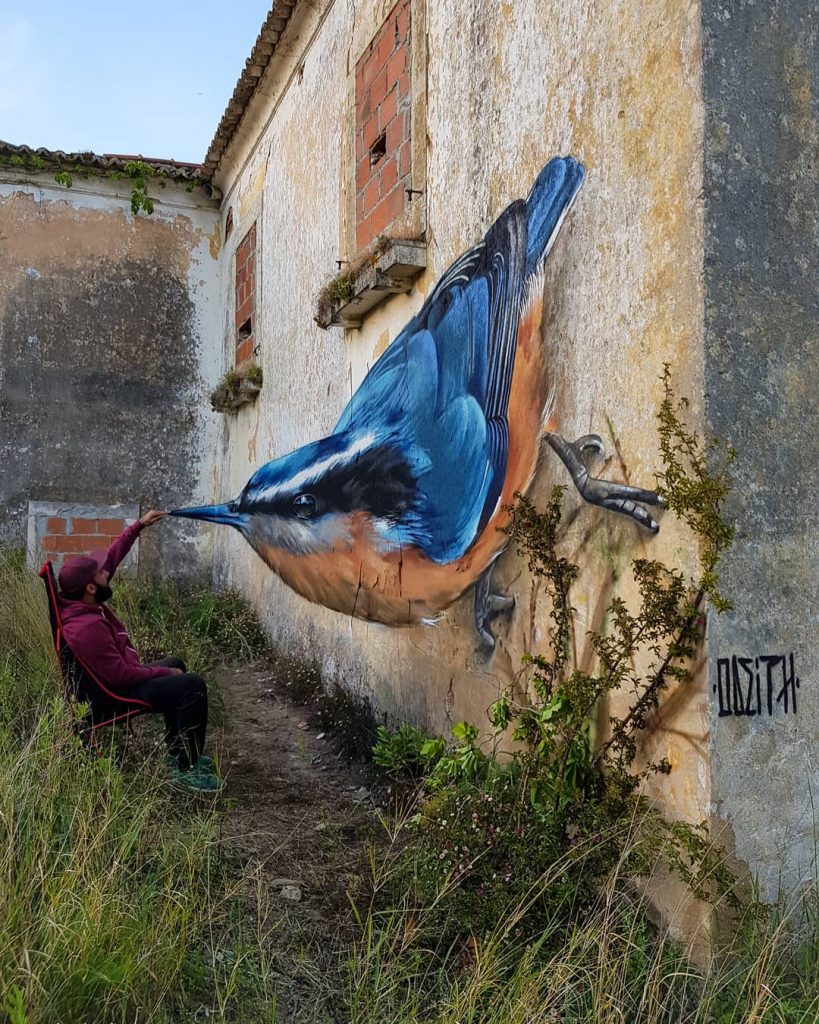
point(509, 86)
point(107, 323)
point(761, 344)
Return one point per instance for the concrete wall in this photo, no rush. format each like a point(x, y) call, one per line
point(761, 343)
point(107, 323)
point(509, 86)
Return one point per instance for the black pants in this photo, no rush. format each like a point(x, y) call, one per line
point(183, 702)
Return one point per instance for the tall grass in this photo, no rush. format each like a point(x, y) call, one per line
point(115, 904)
point(611, 966)
point(189, 622)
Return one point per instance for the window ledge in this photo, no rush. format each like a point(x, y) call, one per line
point(349, 297)
point(228, 397)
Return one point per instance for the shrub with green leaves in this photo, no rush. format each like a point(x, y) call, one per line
point(492, 826)
point(407, 752)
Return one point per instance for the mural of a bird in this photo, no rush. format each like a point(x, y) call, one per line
point(396, 513)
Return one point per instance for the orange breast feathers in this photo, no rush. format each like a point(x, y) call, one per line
point(401, 587)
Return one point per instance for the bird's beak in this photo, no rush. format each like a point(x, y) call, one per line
point(223, 514)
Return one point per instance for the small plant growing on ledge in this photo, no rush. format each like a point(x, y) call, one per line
point(336, 292)
point(237, 388)
point(365, 276)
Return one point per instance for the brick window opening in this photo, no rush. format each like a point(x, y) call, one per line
point(59, 530)
point(245, 296)
point(382, 130)
point(378, 150)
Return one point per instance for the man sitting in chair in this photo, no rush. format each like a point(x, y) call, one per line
point(97, 637)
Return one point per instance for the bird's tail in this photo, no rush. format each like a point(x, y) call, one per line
point(547, 204)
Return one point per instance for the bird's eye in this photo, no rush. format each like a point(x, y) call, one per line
point(304, 505)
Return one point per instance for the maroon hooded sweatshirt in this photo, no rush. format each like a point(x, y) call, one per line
point(97, 637)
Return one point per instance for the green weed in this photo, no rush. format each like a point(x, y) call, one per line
point(166, 619)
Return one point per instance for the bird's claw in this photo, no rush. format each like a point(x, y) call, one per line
point(487, 606)
point(609, 494)
point(590, 443)
point(487, 640)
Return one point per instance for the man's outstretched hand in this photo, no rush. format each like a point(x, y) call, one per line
point(152, 517)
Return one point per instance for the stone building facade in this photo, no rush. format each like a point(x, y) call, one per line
point(107, 321)
point(690, 244)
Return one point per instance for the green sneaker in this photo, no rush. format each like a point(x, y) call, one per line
point(197, 780)
point(204, 762)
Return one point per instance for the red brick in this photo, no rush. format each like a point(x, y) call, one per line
point(84, 526)
point(378, 89)
point(404, 84)
point(363, 173)
point(406, 159)
point(370, 131)
point(385, 47)
point(74, 545)
point(369, 70)
point(362, 105)
point(50, 543)
point(403, 23)
point(244, 350)
point(55, 525)
point(389, 174)
point(113, 526)
point(363, 234)
point(372, 194)
point(397, 65)
point(359, 207)
point(386, 112)
point(390, 207)
point(246, 246)
point(395, 133)
point(98, 540)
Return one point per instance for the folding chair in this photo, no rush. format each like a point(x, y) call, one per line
point(82, 686)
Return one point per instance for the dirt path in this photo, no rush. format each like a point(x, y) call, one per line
point(306, 813)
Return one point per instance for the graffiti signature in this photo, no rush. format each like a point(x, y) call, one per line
point(756, 686)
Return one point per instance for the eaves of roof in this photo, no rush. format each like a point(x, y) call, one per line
point(255, 67)
point(27, 158)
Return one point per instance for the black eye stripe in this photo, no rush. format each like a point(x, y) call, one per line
point(379, 481)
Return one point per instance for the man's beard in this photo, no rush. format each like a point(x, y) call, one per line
point(103, 593)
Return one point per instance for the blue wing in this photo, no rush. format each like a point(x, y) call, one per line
point(443, 387)
point(440, 392)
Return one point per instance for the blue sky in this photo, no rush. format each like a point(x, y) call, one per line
point(147, 77)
